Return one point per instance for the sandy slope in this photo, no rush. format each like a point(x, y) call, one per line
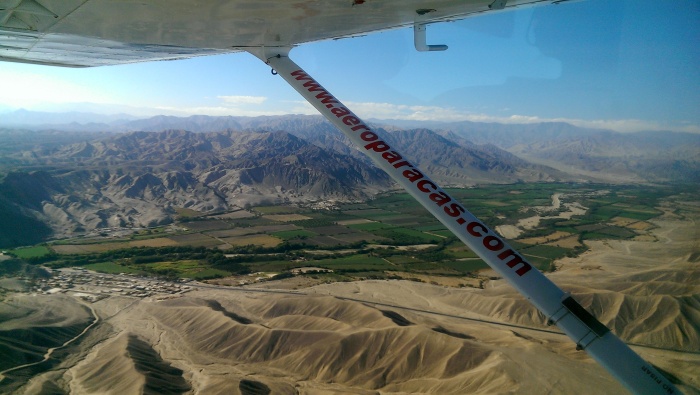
point(320, 344)
point(399, 337)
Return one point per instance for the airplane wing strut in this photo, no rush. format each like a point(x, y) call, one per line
point(559, 307)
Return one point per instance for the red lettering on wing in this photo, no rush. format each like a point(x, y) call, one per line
point(440, 198)
point(301, 76)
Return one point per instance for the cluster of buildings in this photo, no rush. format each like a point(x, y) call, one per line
point(320, 205)
point(93, 286)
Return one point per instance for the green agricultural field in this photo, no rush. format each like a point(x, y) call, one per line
point(186, 269)
point(111, 268)
point(333, 230)
point(431, 227)
point(407, 236)
point(640, 215)
point(277, 266)
point(402, 259)
point(369, 212)
point(372, 226)
point(401, 219)
point(325, 241)
point(618, 232)
point(391, 219)
point(545, 251)
point(462, 253)
point(594, 236)
point(354, 262)
point(543, 264)
point(314, 223)
point(466, 266)
point(445, 234)
point(30, 252)
point(209, 273)
point(393, 198)
point(276, 209)
point(211, 224)
point(436, 268)
point(394, 217)
point(294, 234)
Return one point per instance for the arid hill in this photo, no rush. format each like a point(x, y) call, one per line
point(381, 336)
point(140, 179)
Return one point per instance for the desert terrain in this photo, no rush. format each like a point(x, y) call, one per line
point(370, 337)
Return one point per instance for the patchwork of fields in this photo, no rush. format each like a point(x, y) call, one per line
point(375, 239)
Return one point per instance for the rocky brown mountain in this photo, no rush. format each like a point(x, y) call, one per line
point(68, 182)
point(140, 179)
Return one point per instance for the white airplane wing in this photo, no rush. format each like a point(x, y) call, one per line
point(84, 33)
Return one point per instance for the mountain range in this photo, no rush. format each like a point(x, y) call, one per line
point(60, 180)
point(582, 153)
point(140, 179)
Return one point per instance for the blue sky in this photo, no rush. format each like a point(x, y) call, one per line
point(627, 65)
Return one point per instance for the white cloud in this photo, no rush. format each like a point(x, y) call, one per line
point(227, 106)
point(238, 100)
point(402, 111)
point(290, 107)
point(416, 113)
point(618, 125)
point(446, 114)
point(21, 92)
point(632, 125)
point(215, 111)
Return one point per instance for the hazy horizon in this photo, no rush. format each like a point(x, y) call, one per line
point(89, 116)
point(592, 64)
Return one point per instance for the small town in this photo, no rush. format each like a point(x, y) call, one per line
point(91, 286)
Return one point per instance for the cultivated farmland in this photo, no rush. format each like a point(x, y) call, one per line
point(380, 238)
